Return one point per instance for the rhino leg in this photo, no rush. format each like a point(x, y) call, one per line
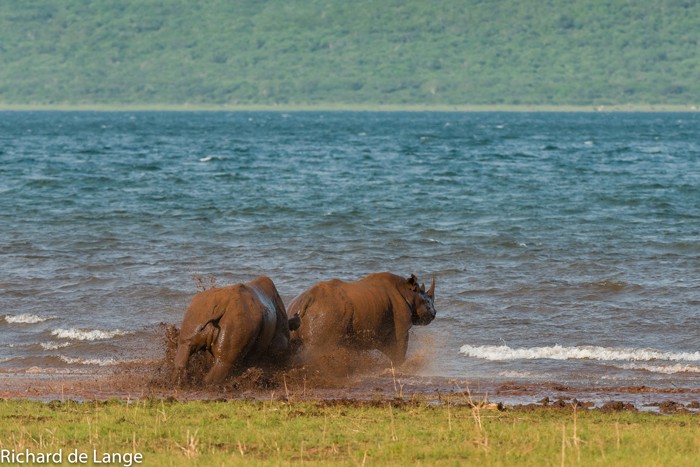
point(231, 346)
point(181, 358)
point(203, 338)
point(396, 354)
point(278, 346)
point(218, 372)
point(396, 351)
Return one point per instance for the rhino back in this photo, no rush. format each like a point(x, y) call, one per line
point(344, 308)
point(261, 306)
point(207, 306)
point(373, 307)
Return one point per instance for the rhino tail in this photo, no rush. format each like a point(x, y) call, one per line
point(303, 306)
point(210, 331)
point(294, 322)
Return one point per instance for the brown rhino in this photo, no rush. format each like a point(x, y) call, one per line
point(375, 312)
point(241, 322)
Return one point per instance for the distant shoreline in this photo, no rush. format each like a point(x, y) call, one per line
point(345, 108)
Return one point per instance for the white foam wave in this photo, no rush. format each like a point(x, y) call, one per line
point(519, 374)
point(664, 369)
point(90, 361)
point(87, 334)
point(209, 158)
point(26, 318)
point(558, 352)
point(54, 345)
point(108, 361)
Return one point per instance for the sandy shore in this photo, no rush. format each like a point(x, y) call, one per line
point(136, 383)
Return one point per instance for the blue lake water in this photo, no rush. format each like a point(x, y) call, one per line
point(565, 246)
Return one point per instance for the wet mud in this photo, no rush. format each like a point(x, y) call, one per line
point(345, 376)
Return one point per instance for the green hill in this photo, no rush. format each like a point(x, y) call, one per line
point(363, 52)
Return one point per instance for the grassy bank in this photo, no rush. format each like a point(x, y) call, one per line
point(345, 432)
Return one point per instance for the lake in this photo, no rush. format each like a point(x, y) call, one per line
point(565, 246)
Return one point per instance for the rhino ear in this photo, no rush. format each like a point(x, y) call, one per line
point(413, 282)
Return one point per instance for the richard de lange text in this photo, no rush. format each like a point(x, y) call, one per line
point(26, 456)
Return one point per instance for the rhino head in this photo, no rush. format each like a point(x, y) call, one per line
point(422, 306)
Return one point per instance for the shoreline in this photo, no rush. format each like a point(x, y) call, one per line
point(622, 108)
point(130, 384)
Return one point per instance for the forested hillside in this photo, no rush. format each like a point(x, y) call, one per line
point(367, 52)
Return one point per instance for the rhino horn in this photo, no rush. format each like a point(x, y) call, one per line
point(431, 291)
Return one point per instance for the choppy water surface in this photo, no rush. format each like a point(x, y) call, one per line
point(566, 247)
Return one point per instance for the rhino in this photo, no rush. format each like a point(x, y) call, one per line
point(375, 312)
point(237, 324)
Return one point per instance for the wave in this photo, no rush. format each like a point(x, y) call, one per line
point(521, 375)
point(210, 158)
point(87, 335)
point(109, 361)
point(665, 369)
point(558, 352)
point(54, 345)
point(26, 318)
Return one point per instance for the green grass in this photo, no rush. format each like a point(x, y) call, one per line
point(371, 433)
